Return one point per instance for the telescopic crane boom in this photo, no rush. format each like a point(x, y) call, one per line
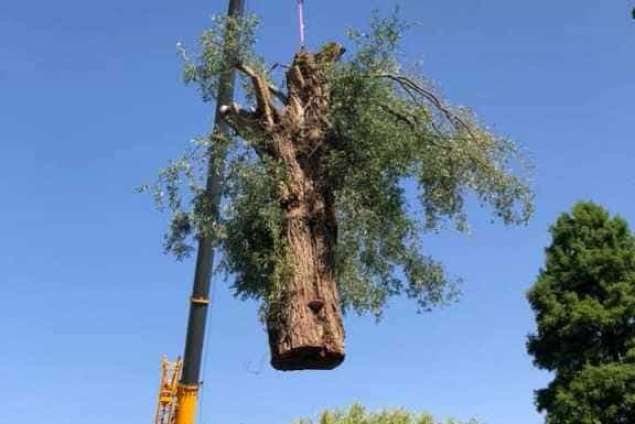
point(177, 402)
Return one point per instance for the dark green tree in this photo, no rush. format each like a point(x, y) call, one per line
point(316, 219)
point(584, 301)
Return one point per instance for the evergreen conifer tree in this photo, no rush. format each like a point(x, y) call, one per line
point(584, 301)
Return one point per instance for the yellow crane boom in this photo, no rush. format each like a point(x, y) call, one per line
point(167, 399)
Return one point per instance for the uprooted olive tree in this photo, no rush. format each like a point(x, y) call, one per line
point(330, 182)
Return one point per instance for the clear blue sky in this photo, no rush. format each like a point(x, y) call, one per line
point(91, 104)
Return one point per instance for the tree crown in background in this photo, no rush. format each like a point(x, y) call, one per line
point(584, 301)
point(357, 414)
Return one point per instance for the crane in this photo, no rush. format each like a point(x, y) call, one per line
point(177, 399)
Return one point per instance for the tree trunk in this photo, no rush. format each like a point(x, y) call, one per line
point(304, 318)
point(304, 324)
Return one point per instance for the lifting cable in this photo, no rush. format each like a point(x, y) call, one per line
point(301, 21)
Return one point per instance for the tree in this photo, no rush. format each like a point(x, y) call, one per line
point(357, 414)
point(584, 301)
point(316, 219)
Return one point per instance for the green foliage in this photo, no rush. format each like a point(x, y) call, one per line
point(180, 189)
point(390, 130)
point(357, 414)
point(390, 134)
point(229, 40)
point(584, 301)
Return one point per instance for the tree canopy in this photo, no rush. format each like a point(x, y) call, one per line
point(387, 128)
point(357, 414)
point(584, 301)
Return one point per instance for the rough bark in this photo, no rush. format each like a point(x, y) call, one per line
point(304, 324)
point(304, 321)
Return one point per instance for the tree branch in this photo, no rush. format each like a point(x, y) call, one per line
point(413, 89)
point(247, 126)
point(264, 106)
point(398, 115)
point(278, 94)
point(275, 91)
